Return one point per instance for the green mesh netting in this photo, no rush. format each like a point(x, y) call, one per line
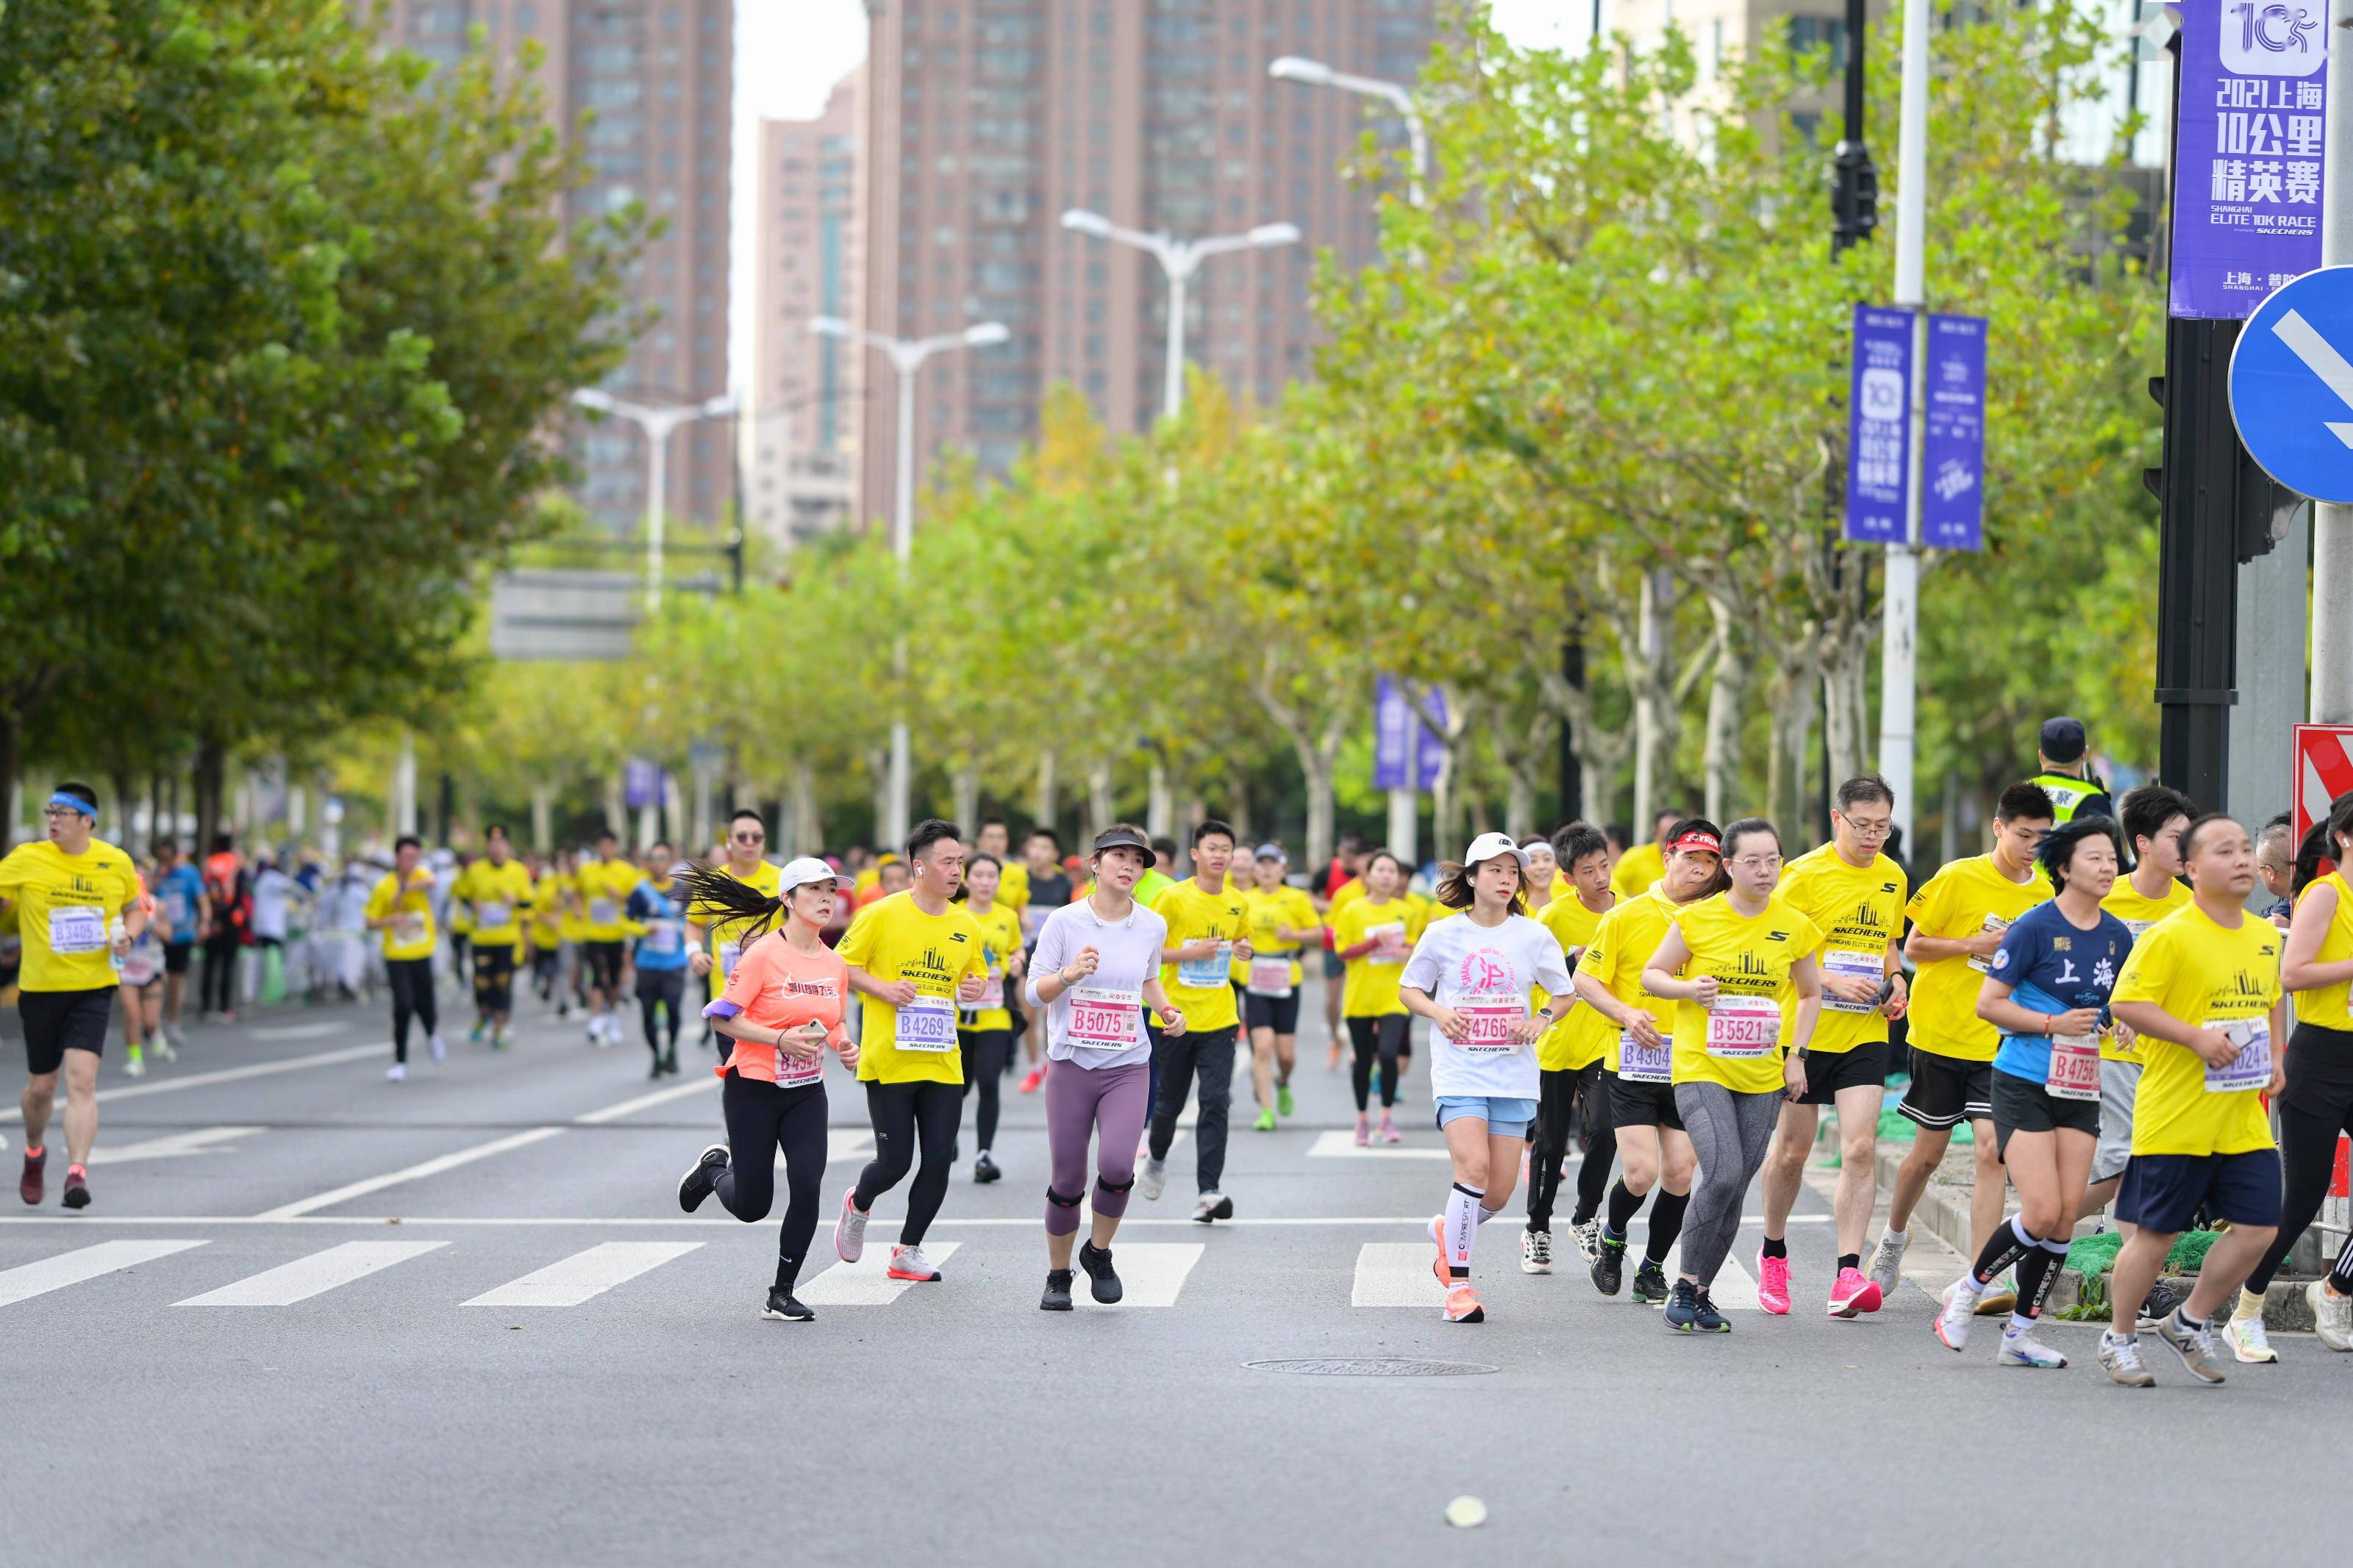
point(2092, 1256)
point(1893, 1128)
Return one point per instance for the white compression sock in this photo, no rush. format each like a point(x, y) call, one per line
point(1462, 1206)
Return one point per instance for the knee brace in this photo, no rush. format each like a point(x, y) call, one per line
point(1060, 1202)
point(1114, 1187)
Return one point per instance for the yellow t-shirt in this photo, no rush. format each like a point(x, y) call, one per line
point(1580, 1036)
point(1000, 935)
point(719, 934)
point(64, 904)
point(1637, 870)
point(1956, 903)
point(1751, 957)
point(461, 918)
point(1369, 988)
point(412, 935)
point(495, 897)
point(1202, 989)
point(2331, 1007)
point(1013, 886)
point(569, 923)
point(1621, 948)
point(1269, 913)
point(893, 939)
point(605, 889)
point(547, 910)
point(2209, 976)
point(1346, 893)
point(1860, 910)
point(2139, 915)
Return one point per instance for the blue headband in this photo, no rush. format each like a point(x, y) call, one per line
point(74, 803)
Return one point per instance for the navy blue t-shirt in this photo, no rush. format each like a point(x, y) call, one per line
point(2052, 966)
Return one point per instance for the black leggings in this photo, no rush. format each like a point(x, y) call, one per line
point(217, 985)
point(1569, 1110)
point(1384, 1037)
point(2318, 1105)
point(986, 1054)
point(908, 1116)
point(412, 997)
point(660, 989)
point(762, 1118)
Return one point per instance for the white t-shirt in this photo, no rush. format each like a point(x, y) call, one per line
point(1490, 972)
point(1085, 1023)
point(272, 888)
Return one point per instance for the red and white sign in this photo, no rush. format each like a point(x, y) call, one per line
point(2324, 770)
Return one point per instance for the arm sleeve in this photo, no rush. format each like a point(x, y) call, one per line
point(1053, 951)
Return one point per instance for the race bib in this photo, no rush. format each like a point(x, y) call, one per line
point(602, 912)
point(1207, 973)
point(2252, 1067)
point(792, 1074)
point(2138, 929)
point(143, 963)
point(1638, 1063)
point(1870, 966)
point(1269, 977)
point(75, 929)
point(927, 1024)
point(492, 913)
point(729, 952)
point(1105, 1018)
point(992, 995)
point(409, 927)
point(1490, 1019)
point(2074, 1067)
point(1743, 1028)
point(1995, 923)
point(666, 936)
point(1388, 943)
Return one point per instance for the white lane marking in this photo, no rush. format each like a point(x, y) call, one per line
point(433, 1167)
point(172, 1145)
point(1339, 1145)
point(83, 1263)
point(307, 1277)
point(1733, 1290)
point(1150, 1273)
point(867, 1282)
point(572, 1281)
point(304, 1031)
point(225, 1075)
point(842, 1143)
point(699, 1084)
point(1396, 1274)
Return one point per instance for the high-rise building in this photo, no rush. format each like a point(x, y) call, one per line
point(660, 76)
point(986, 118)
point(805, 387)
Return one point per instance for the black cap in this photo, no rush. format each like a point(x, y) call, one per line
point(1125, 839)
point(2063, 740)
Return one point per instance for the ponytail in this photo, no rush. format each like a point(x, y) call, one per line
point(710, 891)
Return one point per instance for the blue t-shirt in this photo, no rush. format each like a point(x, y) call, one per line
point(177, 890)
point(2052, 966)
point(664, 944)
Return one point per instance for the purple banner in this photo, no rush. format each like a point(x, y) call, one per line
point(1878, 428)
point(1407, 756)
point(2247, 150)
point(641, 783)
point(1952, 455)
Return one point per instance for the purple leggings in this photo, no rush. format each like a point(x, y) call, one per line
point(1077, 1100)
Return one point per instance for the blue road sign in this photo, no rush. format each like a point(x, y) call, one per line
point(2292, 385)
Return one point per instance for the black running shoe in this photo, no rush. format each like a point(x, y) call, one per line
point(76, 1192)
point(1650, 1283)
point(33, 1183)
point(1707, 1320)
point(1057, 1298)
point(701, 1177)
point(786, 1308)
point(984, 1169)
point(657, 1069)
point(1096, 1261)
point(2159, 1304)
point(1683, 1307)
point(1608, 1269)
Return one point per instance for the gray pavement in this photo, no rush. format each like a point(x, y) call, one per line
point(518, 1350)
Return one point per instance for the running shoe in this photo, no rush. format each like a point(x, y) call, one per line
point(1588, 1238)
point(849, 1230)
point(1057, 1298)
point(785, 1307)
point(2332, 1315)
point(1851, 1293)
point(396, 1073)
point(1886, 1270)
point(2247, 1340)
point(134, 1067)
point(1213, 1204)
point(1030, 1086)
point(2120, 1358)
point(1706, 1319)
point(2021, 1348)
point(1364, 1130)
point(168, 1047)
point(1773, 1284)
point(474, 1035)
point(2000, 1298)
point(1437, 1239)
point(1389, 1134)
point(76, 1192)
point(984, 1169)
point(701, 1177)
point(1608, 1269)
point(909, 1263)
point(2194, 1346)
point(1462, 1304)
point(500, 1039)
point(434, 1043)
point(657, 1070)
point(1960, 1305)
point(225, 1015)
point(595, 1030)
point(1651, 1286)
point(670, 1061)
point(1265, 1123)
point(1683, 1307)
point(1535, 1252)
point(1284, 1101)
point(1096, 1261)
point(2159, 1304)
point(1152, 1179)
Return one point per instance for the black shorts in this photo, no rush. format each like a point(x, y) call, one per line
point(176, 955)
point(1280, 1014)
point(494, 969)
point(604, 961)
point(1947, 1091)
point(1826, 1072)
point(2022, 1105)
point(57, 1022)
point(1642, 1104)
point(2162, 1193)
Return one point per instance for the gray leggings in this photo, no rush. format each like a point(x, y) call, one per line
point(1730, 1132)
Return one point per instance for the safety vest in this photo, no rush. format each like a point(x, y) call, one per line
point(2067, 793)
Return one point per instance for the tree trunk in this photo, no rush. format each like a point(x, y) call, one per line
point(212, 768)
point(155, 820)
point(1046, 805)
point(878, 770)
point(617, 811)
point(1102, 806)
point(123, 806)
point(1727, 692)
point(963, 787)
point(1317, 762)
point(807, 832)
point(1846, 677)
point(12, 760)
point(1159, 802)
point(542, 816)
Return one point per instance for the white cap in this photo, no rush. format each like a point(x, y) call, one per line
point(1487, 845)
point(800, 873)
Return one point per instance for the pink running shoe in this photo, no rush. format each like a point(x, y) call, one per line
point(1773, 1284)
point(849, 1230)
point(1437, 1238)
point(1389, 1134)
point(1854, 1292)
point(1463, 1306)
point(1364, 1130)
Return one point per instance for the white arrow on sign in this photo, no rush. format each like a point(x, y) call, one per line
point(2319, 356)
point(174, 1145)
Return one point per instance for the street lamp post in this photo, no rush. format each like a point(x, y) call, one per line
point(907, 356)
point(1178, 258)
point(1315, 73)
point(656, 424)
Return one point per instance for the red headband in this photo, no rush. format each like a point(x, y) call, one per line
point(1696, 840)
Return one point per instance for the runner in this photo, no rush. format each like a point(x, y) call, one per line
point(1569, 1054)
point(1473, 978)
point(1283, 922)
point(994, 840)
point(180, 893)
point(1639, 870)
point(1544, 875)
point(547, 912)
point(2047, 992)
point(1344, 875)
point(1097, 967)
point(914, 956)
point(142, 976)
point(1653, 1149)
point(985, 1029)
point(572, 983)
point(2317, 965)
point(713, 937)
point(496, 893)
point(401, 908)
point(602, 893)
point(1209, 931)
point(1049, 890)
point(1855, 895)
point(79, 906)
point(2202, 990)
point(1373, 936)
point(655, 916)
point(1732, 961)
point(1957, 919)
point(459, 917)
point(780, 1007)
point(226, 891)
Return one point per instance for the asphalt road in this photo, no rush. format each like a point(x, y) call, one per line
point(461, 1321)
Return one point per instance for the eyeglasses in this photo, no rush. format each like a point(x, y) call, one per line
point(750, 838)
point(1756, 862)
point(55, 811)
point(1862, 829)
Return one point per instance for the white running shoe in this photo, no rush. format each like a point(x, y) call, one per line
point(1959, 1310)
point(1588, 1238)
point(396, 1073)
point(440, 1050)
point(2021, 1348)
point(849, 1230)
point(134, 1067)
point(1213, 1205)
point(174, 1038)
point(1886, 1268)
point(164, 1048)
point(2332, 1315)
point(2122, 1360)
point(1152, 1179)
point(909, 1263)
point(2247, 1340)
point(1535, 1252)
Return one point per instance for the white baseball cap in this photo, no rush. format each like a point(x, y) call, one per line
point(1487, 845)
point(801, 872)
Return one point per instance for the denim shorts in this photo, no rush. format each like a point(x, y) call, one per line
point(1506, 1116)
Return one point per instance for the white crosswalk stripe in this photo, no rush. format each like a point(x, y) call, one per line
point(1396, 1274)
point(867, 1282)
point(1337, 1144)
point(1150, 1273)
point(307, 1277)
point(576, 1278)
point(65, 1269)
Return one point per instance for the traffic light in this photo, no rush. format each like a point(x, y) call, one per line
point(1854, 198)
